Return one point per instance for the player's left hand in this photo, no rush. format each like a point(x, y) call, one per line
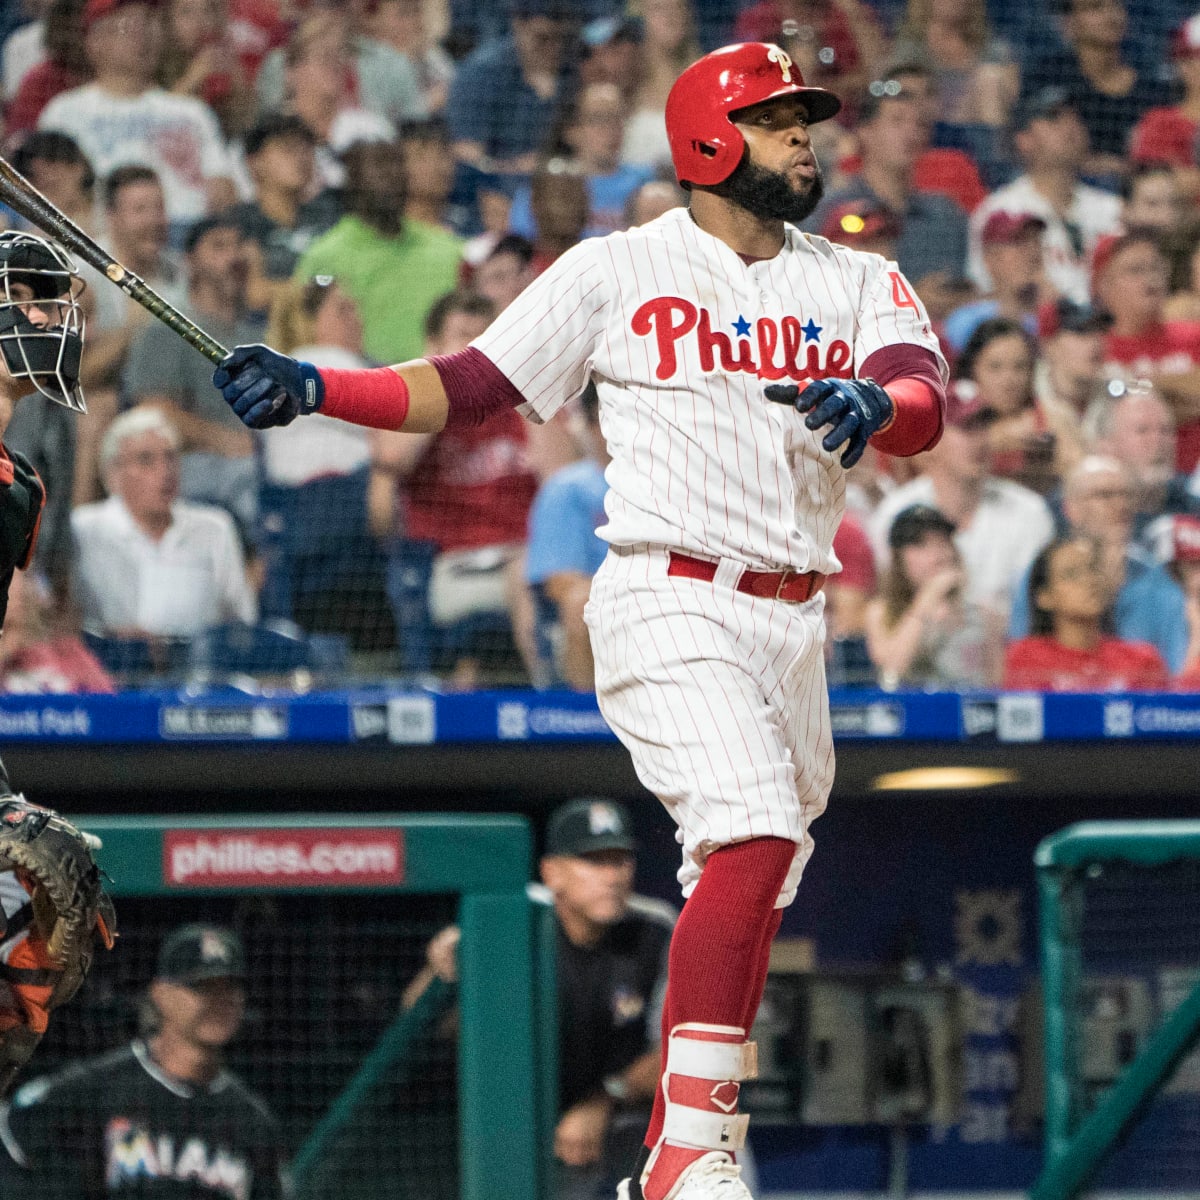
point(855, 408)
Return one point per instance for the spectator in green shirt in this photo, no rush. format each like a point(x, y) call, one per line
point(394, 267)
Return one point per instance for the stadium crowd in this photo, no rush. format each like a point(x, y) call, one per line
point(366, 181)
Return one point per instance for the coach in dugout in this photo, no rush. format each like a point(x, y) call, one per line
point(611, 959)
point(161, 1116)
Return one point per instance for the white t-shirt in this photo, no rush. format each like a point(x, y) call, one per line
point(1093, 213)
point(293, 454)
point(1008, 529)
point(177, 136)
point(645, 143)
point(194, 577)
point(680, 336)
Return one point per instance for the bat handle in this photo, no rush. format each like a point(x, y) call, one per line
point(150, 300)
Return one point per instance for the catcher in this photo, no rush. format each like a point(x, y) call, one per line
point(52, 904)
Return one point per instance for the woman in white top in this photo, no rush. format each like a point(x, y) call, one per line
point(315, 544)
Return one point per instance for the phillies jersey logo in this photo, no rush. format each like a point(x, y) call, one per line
point(779, 349)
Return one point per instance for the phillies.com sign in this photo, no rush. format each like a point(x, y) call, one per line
point(307, 858)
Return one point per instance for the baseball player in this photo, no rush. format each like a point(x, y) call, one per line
point(742, 366)
point(160, 1118)
point(51, 899)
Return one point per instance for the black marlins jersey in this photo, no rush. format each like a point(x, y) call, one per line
point(609, 998)
point(119, 1128)
point(22, 498)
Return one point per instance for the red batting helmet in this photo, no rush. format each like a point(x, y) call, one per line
point(706, 146)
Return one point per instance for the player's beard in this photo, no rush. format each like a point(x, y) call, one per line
point(770, 195)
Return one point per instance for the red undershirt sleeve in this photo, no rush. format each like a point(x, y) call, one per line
point(911, 375)
point(475, 387)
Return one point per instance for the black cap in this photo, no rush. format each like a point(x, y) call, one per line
point(1047, 101)
point(194, 953)
point(913, 524)
point(276, 125)
point(589, 825)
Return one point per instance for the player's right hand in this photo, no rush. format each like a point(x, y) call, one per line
point(266, 388)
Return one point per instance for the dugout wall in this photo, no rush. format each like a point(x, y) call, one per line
point(451, 1097)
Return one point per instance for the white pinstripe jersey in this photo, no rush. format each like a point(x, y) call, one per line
point(681, 336)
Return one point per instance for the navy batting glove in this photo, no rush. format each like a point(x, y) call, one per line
point(266, 388)
point(855, 408)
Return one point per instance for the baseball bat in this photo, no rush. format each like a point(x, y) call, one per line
point(24, 199)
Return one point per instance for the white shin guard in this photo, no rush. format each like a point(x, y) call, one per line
point(718, 1126)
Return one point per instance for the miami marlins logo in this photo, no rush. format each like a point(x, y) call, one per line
point(778, 349)
point(781, 59)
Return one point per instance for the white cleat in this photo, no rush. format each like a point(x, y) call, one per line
point(713, 1177)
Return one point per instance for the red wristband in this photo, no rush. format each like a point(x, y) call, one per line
point(917, 423)
point(376, 397)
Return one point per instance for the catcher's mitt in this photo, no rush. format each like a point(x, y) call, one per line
point(53, 909)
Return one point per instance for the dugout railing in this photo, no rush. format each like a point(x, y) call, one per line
point(502, 1008)
point(1120, 918)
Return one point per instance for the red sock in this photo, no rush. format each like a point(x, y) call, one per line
point(764, 964)
point(717, 969)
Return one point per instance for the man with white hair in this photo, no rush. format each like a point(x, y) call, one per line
point(1136, 426)
point(148, 564)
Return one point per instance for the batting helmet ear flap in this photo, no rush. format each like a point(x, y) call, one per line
point(706, 146)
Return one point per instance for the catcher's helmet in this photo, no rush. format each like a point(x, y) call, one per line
point(706, 146)
point(46, 354)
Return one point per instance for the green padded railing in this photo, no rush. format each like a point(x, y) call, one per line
point(1077, 1142)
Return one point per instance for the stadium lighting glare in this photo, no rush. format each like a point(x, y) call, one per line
point(932, 779)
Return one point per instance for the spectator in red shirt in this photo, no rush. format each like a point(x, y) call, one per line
point(1168, 134)
point(1184, 565)
point(466, 491)
point(200, 59)
point(65, 66)
point(1130, 276)
point(847, 593)
point(1070, 649)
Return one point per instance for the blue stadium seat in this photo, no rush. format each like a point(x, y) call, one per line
point(278, 648)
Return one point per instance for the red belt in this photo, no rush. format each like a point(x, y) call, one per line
point(792, 586)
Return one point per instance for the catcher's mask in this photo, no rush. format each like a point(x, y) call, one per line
point(44, 349)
